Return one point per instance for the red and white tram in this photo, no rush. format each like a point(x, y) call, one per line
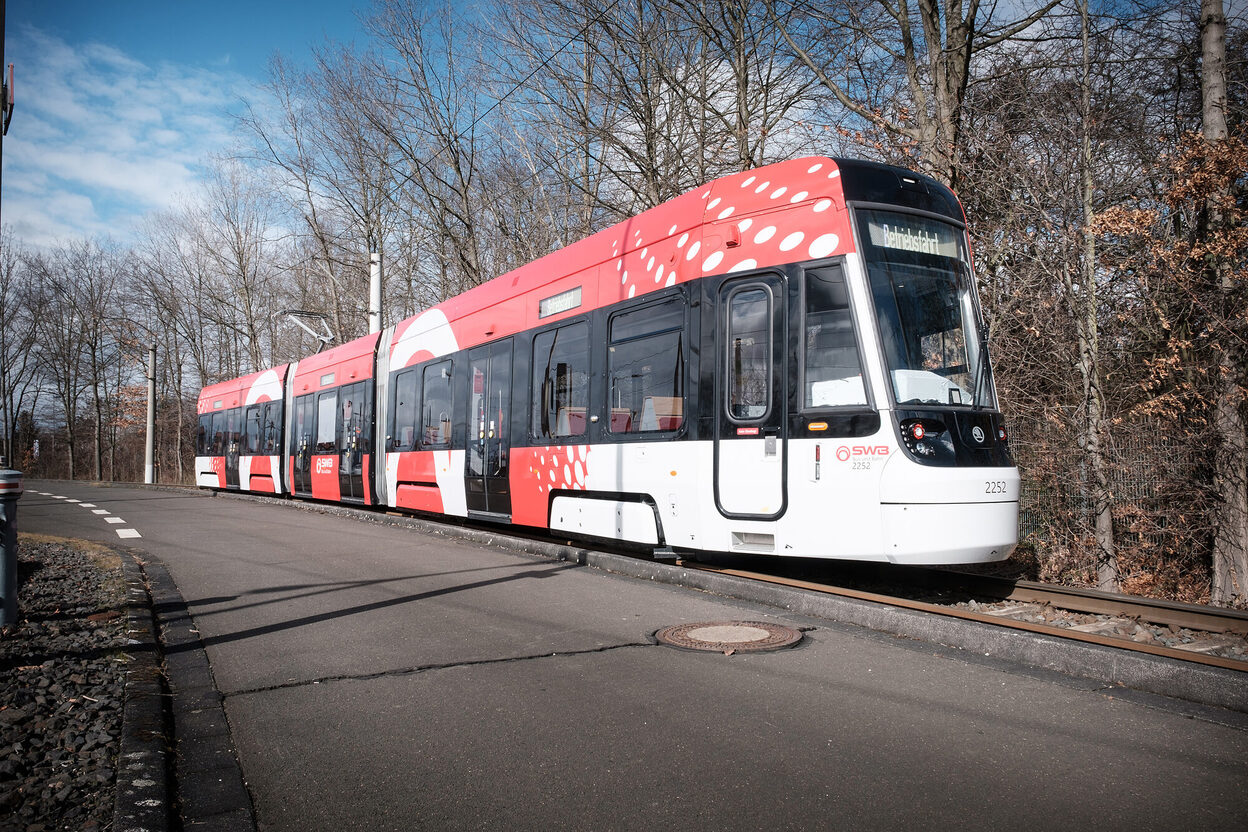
point(785, 361)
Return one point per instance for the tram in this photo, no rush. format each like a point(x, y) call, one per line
point(786, 361)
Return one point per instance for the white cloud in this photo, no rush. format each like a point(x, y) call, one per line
point(99, 139)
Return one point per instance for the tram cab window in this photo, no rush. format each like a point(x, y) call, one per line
point(435, 405)
point(920, 275)
point(561, 382)
point(833, 371)
point(646, 369)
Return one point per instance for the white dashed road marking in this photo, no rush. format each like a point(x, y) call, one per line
point(122, 533)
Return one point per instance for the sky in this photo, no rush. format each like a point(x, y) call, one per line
point(119, 103)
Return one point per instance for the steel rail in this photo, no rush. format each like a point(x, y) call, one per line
point(1174, 613)
point(983, 618)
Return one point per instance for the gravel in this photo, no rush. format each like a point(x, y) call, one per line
point(64, 684)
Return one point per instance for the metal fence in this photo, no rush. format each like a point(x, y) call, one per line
point(1148, 462)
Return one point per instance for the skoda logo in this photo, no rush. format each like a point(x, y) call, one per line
point(978, 433)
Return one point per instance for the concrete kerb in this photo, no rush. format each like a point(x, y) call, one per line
point(1208, 686)
point(142, 787)
point(210, 788)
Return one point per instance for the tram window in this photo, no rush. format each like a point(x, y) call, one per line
point(561, 381)
point(435, 406)
point(217, 448)
point(301, 433)
point(403, 433)
point(646, 368)
point(233, 429)
point(353, 433)
point(272, 429)
point(203, 434)
point(326, 423)
point(252, 429)
point(833, 372)
point(749, 354)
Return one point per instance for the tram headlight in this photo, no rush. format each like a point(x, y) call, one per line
point(1002, 434)
point(928, 441)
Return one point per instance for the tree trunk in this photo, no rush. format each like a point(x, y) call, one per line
point(1230, 538)
point(1094, 422)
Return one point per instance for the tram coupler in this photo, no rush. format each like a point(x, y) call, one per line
point(10, 492)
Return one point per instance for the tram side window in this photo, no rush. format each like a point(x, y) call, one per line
point(646, 369)
point(271, 433)
point(234, 430)
point(833, 370)
point(354, 434)
point(561, 381)
point(253, 428)
point(203, 435)
point(301, 428)
point(435, 406)
point(403, 432)
point(327, 423)
point(217, 448)
point(749, 354)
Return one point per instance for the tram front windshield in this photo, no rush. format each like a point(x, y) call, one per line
point(921, 281)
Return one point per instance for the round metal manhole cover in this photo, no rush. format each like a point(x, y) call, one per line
point(730, 636)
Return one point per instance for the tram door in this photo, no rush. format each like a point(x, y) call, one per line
point(354, 438)
point(233, 441)
point(486, 467)
point(301, 445)
point(750, 442)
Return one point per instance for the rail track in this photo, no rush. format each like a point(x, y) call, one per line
point(1203, 635)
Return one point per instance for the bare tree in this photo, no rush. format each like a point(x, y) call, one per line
point(233, 225)
point(424, 102)
point(77, 286)
point(931, 45)
point(17, 342)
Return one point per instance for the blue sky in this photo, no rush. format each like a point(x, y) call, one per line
point(120, 102)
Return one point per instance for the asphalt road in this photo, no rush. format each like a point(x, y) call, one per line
point(379, 678)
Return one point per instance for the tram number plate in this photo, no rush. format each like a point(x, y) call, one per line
point(995, 487)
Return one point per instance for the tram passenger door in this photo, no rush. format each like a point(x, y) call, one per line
point(233, 442)
point(486, 467)
point(354, 439)
point(301, 445)
point(750, 444)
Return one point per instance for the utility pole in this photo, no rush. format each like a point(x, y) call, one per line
point(149, 455)
point(374, 292)
point(6, 90)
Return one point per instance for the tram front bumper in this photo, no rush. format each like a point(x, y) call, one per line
point(949, 533)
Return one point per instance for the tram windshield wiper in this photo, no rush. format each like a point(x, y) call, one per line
point(981, 371)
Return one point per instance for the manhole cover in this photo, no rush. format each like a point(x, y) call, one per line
point(726, 636)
